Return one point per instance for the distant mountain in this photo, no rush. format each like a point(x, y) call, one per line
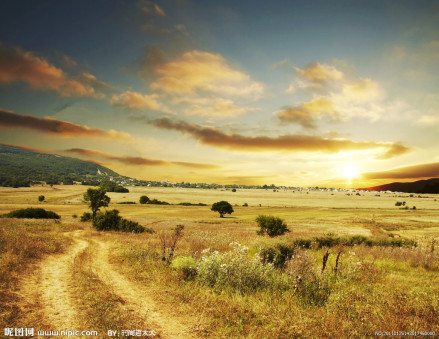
point(420, 186)
point(20, 167)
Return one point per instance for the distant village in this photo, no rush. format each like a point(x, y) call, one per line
point(127, 181)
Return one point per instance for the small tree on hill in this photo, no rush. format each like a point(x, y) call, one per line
point(41, 198)
point(144, 199)
point(271, 225)
point(222, 207)
point(96, 199)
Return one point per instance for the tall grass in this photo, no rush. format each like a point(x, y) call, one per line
point(240, 296)
point(22, 243)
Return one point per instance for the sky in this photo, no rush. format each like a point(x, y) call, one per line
point(296, 93)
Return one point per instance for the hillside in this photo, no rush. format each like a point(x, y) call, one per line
point(19, 167)
point(420, 186)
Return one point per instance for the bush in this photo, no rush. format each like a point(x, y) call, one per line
point(126, 225)
point(85, 217)
point(126, 203)
point(33, 213)
point(273, 226)
point(143, 199)
point(41, 198)
point(186, 266)
point(236, 270)
point(157, 202)
point(277, 254)
point(111, 220)
point(108, 221)
point(111, 186)
point(191, 204)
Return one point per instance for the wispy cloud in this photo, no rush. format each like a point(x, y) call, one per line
point(318, 74)
point(429, 170)
point(135, 100)
point(56, 127)
point(151, 8)
point(308, 113)
point(17, 65)
point(305, 143)
point(204, 71)
point(213, 107)
point(139, 161)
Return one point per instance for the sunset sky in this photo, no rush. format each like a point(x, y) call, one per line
point(328, 93)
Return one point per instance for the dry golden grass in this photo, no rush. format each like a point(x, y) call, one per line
point(391, 289)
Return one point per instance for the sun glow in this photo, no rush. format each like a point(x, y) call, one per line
point(349, 172)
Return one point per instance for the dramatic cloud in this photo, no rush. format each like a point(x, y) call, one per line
point(395, 149)
point(430, 170)
point(214, 137)
point(56, 127)
point(137, 160)
point(320, 74)
point(17, 65)
point(307, 113)
point(135, 100)
point(208, 72)
point(214, 108)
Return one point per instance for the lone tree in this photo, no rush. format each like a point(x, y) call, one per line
point(222, 207)
point(271, 225)
point(143, 199)
point(97, 199)
point(41, 198)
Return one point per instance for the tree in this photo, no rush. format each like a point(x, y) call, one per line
point(271, 225)
point(41, 198)
point(97, 199)
point(144, 199)
point(222, 207)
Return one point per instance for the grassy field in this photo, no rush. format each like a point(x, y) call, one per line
point(360, 290)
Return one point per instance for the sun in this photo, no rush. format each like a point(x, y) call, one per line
point(349, 172)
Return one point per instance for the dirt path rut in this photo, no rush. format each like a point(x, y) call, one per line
point(52, 285)
point(141, 299)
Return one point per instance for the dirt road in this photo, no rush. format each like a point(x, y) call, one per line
point(52, 288)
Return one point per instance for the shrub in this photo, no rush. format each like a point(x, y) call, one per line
point(111, 220)
point(108, 221)
point(245, 205)
point(234, 190)
point(111, 186)
point(157, 202)
point(143, 199)
point(33, 213)
point(126, 225)
point(41, 198)
point(75, 216)
point(86, 216)
point(272, 226)
point(236, 270)
point(121, 189)
point(126, 203)
point(222, 207)
point(191, 204)
point(186, 266)
point(277, 254)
